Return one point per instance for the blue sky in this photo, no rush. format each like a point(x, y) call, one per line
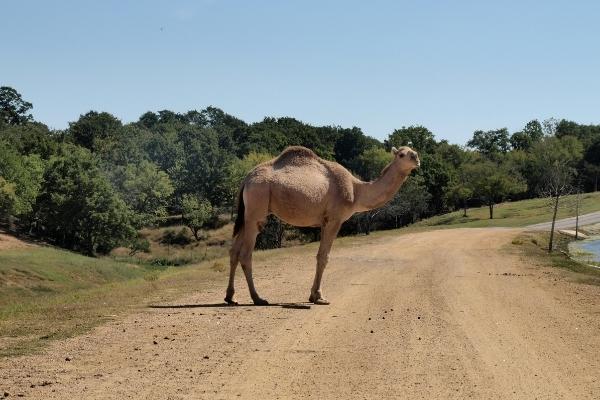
point(452, 66)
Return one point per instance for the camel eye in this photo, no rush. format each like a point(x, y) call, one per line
point(401, 155)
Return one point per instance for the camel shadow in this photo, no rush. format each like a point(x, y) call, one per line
point(296, 306)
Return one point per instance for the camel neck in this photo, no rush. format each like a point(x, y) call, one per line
point(370, 195)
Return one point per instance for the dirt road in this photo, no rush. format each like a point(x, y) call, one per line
point(447, 314)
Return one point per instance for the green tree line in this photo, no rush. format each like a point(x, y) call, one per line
point(92, 186)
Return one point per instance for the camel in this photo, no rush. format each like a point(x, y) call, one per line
point(304, 190)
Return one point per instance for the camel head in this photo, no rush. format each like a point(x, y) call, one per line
point(407, 158)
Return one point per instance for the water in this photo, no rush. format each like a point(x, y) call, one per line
point(586, 251)
point(593, 247)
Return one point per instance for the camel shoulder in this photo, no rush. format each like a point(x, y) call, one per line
point(343, 180)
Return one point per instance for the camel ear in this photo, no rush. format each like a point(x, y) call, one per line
point(394, 151)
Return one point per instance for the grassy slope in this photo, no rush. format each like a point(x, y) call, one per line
point(517, 214)
point(47, 293)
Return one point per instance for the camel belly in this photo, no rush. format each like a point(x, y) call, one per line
point(299, 202)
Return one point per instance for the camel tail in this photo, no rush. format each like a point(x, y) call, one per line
point(239, 220)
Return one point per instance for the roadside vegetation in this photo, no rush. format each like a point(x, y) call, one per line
point(534, 245)
point(98, 184)
point(515, 214)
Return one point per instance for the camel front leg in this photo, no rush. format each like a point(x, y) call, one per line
point(328, 234)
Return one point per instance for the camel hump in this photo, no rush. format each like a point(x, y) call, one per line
point(295, 155)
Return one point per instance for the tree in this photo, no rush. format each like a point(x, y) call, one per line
point(557, 182)
point(196, 213)
point(8, 197)
point(22, 176)
point(552, 150)
point(553, 161)
point(146, 190)
point(532, 133)
point(587, 134)
point(409, 204)
point(13, 109)
point(492, 183)
point(459, 191)
point(349, 145)
point(77, 208)
point(31, 138)
point(417, 137)
point(237, 171)
point(91, 129)
point(490, 143)
point(202, 168)
point(591, 164)
point(372, 161)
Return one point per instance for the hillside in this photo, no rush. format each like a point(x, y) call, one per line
point(514, 214)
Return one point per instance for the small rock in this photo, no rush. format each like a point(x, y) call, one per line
point(372, 332)
point(419, 317)
point(206, 357)
point(155, 342)
point(6, 394)
point(67, 358)
point(419, 339)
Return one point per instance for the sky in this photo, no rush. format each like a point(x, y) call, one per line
point(452, 66)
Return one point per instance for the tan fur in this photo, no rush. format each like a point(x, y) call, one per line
point(304, 190)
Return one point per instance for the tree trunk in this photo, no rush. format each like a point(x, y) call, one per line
point(491, 205)
point(550, 245)
point(577, 214)
point(596, 184)
point(195, 232)
point(465, 208)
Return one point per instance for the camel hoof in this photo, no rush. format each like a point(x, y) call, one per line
point(260, 302)
point(315, 299)
point(231, 302)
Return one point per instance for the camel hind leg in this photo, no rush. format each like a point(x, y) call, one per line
point(234, 254)
point(245, 256)
point(255, 201)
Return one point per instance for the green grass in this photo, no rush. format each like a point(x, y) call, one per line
point(40, 271)
point(515, 214)
point(48, 294)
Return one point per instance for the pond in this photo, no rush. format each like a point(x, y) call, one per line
point(586, 250)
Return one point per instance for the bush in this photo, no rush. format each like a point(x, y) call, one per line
point(140, 244)
point(271, 235)
point(181, 238)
